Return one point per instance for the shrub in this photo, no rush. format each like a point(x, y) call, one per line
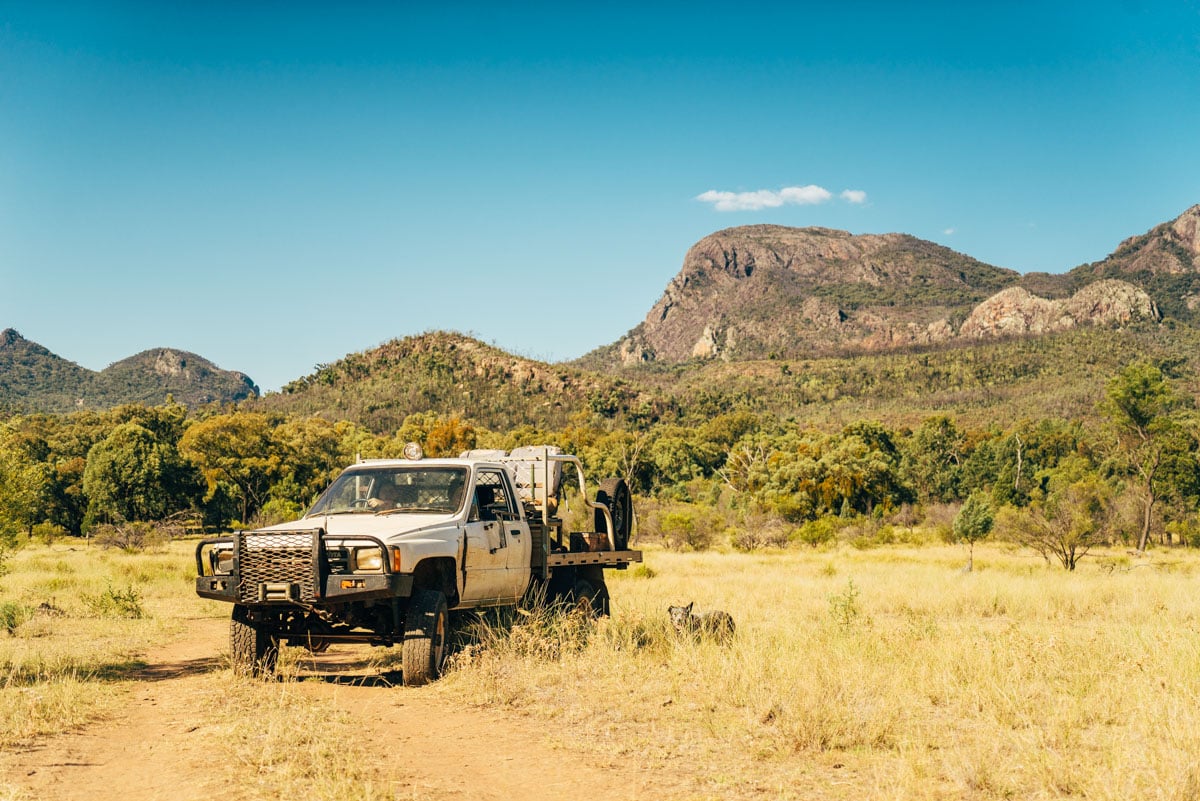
point(940, 518)
point(129, 537)
point(759, 531)
point(821, 531)
point(277, 510)
point(682, 529)
point(13, 614)
point(869, 533)
point(683, 526)
point(843, 606)
point(116, 603)
point(644, 571)
point(47, 533)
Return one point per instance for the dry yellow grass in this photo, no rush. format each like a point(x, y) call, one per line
point(883, 673)
point(63, 665)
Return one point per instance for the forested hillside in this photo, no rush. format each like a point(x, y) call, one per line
point(1019, 378)
point(453, 375)
point(32, 379)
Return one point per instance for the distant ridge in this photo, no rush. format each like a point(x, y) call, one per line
point(769, 291)
point(454, 375)
point(746, 302)
point(32, 379)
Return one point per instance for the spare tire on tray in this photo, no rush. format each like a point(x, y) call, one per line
point(614, 493)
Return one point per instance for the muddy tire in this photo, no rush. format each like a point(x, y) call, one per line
point(591, 595)
point(254, 652)
point(426, 633)
point(614, 493)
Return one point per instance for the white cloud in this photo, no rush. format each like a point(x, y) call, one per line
point(856, 196)
point(949, 231)
point(765, 198)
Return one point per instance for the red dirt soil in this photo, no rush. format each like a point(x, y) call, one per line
point(151, 749)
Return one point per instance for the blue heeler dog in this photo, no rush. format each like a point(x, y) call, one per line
point(716, 624)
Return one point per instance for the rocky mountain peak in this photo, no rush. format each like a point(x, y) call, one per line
point(757, 290)
point(1186, 228)
point(10, 337)
point(1172, 248)
point(769, 291)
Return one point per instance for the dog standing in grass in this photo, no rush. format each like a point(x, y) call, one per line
point(715, 624)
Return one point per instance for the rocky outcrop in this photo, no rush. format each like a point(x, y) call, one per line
point(1016, 311)
point(766, 291)
point(1013, 311)
point(763, 290)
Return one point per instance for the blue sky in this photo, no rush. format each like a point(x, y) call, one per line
point(275, 185)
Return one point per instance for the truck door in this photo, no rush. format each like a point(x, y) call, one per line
point(487, 543)
point(520, 542)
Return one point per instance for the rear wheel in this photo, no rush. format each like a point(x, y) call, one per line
point(614, 493)
point(426, 631)
point(254, 651)
point(591, 595)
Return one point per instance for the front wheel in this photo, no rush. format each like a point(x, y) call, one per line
point(426, 630)
point(254, 651)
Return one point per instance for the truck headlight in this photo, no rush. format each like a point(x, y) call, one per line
point(219, 560)
point(368, 560)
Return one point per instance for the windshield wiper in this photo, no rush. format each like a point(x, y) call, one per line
point(436, 509)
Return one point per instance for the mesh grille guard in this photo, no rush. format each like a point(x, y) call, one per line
point(278, 566)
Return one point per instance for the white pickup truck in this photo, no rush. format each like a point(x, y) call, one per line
point(393, 545)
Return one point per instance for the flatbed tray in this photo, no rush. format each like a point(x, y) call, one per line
point(593, 558)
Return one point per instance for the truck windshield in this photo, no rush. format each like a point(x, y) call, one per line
point(394, 490)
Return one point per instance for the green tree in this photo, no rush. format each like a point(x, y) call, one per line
point(450, 437)
point(235, 450)
point(1070, 518)
point(312, 452)
point(21, 486)
point(132, 475)
point(973, 523)
point(1143, 411)
point(933, 458)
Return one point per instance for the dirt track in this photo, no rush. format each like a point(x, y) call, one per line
point(152, 750)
